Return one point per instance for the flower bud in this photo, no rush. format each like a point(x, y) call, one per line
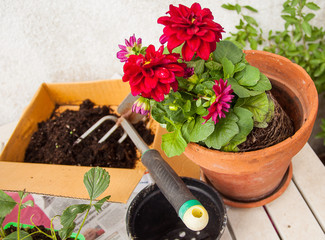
point(141, 106)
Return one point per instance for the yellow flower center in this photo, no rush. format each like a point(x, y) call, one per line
point(146, 62)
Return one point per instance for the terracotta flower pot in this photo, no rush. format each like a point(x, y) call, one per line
point(249, 179)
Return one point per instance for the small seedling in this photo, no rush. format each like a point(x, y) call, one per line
point(96, 181)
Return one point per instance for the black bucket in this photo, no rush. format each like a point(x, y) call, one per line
point(150, 215)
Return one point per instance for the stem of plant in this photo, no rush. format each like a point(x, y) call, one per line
point(2, 232)
point(84, 220)
point(18, 219)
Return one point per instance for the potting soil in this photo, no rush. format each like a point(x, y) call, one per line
point(53, 142)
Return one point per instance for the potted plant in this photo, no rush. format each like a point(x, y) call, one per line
point(240, 115)
point(96, 181)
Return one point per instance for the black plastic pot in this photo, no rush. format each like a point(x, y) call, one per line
point(151, 216)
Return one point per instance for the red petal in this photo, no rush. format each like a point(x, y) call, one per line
point(162, 72)
point(184, 10)
point(209, 36)
point(150, 83)
point(187, 52)
point(196, 7)
point(173, 42)
point(194, 43)
point(164, 20)
point(204, 50)
point(182, 34)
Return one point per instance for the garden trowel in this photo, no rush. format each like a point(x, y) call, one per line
point(189, 209)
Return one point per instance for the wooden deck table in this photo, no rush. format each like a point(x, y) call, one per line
point(299, 213)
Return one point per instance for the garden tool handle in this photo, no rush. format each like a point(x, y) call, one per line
point(189, 209)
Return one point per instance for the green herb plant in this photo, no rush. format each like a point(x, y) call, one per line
point(96, 181)
point(300, 41)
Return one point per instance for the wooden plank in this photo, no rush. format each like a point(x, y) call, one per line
point(309, 177)
point(251, 223)
point(292, 217)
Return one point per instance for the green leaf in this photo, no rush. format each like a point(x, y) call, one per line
point(320, 70)
point(228, 50)
point(201, 131)
point(29, 203)
point(198, 65)
point(23, 234)
point(245, 124)
point(249, 76)
point(70, 213)
point(309, 17)
point(228, 68)
point(258, 105)
point(250, 20)
point(1, 220)
point(7, 204)
point(98, 205)
point(250, 8)
point(242, 91)
point(158, 114)
point(173, 143)
point(224, 131)
point(312, 6)
point(238, 8)
point(187, 106)
point(96, 181)
point(263, 84)
point(228, 6)
point(239, 67)
point(66, 231)
point(290, 19)
point(212, 65)
point(187, 128)
point(306, 27)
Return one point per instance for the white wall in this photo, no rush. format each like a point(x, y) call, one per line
point(61, 40)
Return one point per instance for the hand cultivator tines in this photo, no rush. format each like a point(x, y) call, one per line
point(109, 133)
point(189, 209)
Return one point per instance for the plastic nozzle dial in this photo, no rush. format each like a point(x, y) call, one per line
point(194, 215)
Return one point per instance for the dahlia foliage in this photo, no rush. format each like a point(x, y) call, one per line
point(199, 87)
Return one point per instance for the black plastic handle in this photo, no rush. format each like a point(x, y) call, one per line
point(169, 183)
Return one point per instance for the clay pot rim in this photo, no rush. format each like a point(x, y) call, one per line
point(287, 142)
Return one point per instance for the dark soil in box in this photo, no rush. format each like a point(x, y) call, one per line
point(53, 142)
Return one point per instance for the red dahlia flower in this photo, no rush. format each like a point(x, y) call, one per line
point(152, 75)
point(195, 27)
point(221, 104)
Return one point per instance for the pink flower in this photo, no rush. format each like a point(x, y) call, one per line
point(141, 106)
point(152, 75)
point(133, 46)
point(192, 26)
point(221, 104)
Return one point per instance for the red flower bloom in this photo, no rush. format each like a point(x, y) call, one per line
point(195, 27)
point(221, 104)
point(152, 75)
